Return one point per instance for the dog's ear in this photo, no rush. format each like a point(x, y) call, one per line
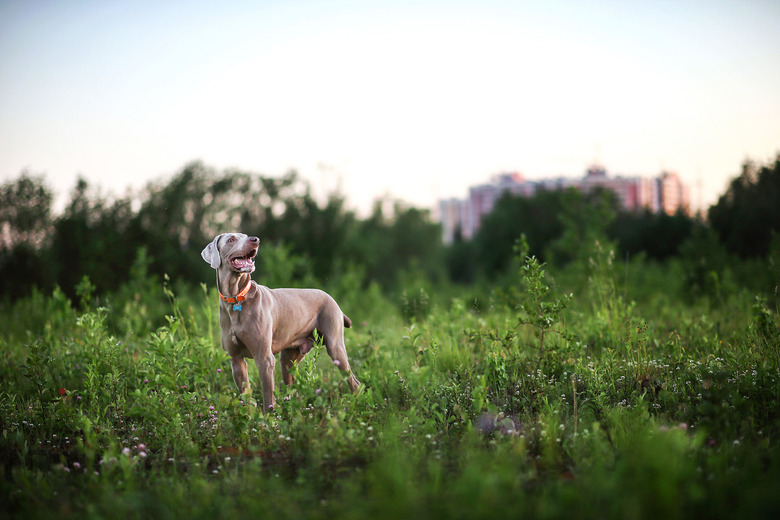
point(211, 253)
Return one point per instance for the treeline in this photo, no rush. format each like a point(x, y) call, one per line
point(558, 224)
point(100, 236)
point(740, 232)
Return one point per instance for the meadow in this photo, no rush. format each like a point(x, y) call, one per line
point(599, 390)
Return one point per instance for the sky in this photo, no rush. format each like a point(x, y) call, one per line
point(416, 100)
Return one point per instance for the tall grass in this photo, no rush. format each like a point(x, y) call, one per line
point(639, 405)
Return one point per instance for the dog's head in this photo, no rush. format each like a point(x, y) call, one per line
point(235, 250)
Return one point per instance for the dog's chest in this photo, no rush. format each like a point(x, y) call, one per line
point(236, 345)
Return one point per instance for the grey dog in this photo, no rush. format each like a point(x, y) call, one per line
point(258, 322)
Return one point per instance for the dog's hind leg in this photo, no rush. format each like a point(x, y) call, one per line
point(289, 356)
point(338, 353)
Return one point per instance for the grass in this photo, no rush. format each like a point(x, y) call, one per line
point(636, 405)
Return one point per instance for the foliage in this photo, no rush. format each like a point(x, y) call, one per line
point(673, 413)
point(538, 308)
point(747, 214)
point(393, 241)
point(99, 236)
point(704, 260)
point(536, 217)
point(584, 220)
point(25, 222)
point(658, 235)
point(593, 385)
point(25, 210)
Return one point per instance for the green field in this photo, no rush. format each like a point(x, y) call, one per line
point(595, 391)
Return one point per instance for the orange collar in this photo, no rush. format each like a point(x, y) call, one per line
point(236, 299)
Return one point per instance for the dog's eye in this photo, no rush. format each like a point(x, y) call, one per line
point(231, 239)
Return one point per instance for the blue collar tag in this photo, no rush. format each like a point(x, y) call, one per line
point(237, 307)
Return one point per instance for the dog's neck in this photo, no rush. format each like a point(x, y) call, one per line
point(233, 283)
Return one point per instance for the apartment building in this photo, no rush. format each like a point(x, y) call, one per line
point(462, 218)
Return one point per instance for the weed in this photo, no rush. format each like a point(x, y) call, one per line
point(128, 408)
point(538, 309)
point(415, 307)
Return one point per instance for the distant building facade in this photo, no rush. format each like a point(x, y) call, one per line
point(673, 194)
point(463, 218)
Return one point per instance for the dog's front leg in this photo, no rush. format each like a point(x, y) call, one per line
point(240, 376)
point(265, 365)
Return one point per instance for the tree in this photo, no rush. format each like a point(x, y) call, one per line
point(91, 238)
point(405, 239)
point(461, 260)
point(25, 211)
point(657, 234)
point(555, 224)
point(585, 218)
point(321, 233)
point(513, 216)
point(749, 212)
point(25, 224)
point(99, 236)
point(178, 217)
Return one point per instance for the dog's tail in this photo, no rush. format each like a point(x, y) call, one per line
point(347, 321)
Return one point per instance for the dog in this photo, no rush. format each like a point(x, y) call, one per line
point(258, 322)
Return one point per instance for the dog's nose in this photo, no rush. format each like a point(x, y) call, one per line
point(254, 239)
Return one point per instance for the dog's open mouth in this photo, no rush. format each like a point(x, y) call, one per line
point(244, 263)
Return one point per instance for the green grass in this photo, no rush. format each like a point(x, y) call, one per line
point(636, 405)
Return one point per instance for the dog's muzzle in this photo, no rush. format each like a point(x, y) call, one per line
point(244, 264)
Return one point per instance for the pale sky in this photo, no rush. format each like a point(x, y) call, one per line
point(418, 99)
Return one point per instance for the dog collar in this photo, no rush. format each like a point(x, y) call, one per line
point(237, 299)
